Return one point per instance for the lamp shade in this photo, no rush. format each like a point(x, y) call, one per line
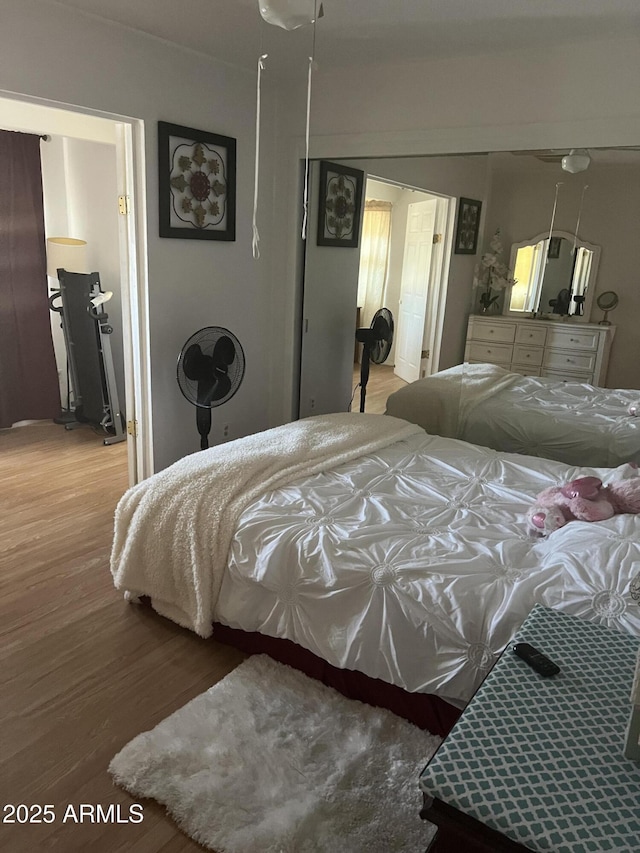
point(577, 160)
point(66, 253)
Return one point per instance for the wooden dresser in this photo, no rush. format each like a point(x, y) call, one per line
point(576, 351)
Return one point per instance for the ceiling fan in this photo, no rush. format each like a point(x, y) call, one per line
point(572, 160)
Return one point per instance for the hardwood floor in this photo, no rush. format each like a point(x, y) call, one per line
point(382, 382)
point(82, 671)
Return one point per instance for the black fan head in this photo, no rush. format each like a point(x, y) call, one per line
point(210, 367)
point(382, 335)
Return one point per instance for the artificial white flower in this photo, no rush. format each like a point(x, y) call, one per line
point(491, 273)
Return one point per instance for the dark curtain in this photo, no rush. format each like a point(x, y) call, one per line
point(28, 376)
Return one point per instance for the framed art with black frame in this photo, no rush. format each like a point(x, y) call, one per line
point(339, 205)
point(197, 183)
point(554, 247)
point(467, 227)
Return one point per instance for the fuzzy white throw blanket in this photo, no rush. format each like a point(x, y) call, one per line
point(173, 531)
point(441, 403)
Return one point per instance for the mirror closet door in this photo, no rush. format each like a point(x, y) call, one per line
point(330, 295)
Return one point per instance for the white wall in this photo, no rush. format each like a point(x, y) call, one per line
point(82, 61)
point(523, 90)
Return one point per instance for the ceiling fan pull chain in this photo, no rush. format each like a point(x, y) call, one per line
point(256, 235)
point(575, 236)
point(553, 219)
point(305, 197)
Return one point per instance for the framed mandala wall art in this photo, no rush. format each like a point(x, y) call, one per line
point(468, 226)
point(340, 203)
point(197, 183)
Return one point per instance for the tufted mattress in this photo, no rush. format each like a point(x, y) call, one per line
point(568, 421)
point(413, 564)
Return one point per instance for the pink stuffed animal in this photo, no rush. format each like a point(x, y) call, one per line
point(586, 499)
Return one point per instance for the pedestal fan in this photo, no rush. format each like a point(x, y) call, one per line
point(376, 341)
point(210, 370)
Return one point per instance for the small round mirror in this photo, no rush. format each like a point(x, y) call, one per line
point(607, 301)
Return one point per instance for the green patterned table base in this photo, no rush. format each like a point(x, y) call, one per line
point(541, 759)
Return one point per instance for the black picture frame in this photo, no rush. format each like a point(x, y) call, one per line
point(554, 247)
point(339, 205)
point(196, 183)
point(467, 226)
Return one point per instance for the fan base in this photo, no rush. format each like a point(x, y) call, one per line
point(66, 416)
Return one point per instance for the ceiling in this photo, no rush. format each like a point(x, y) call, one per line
point(363, 32)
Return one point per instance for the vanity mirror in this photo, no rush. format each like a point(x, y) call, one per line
point(554, 276)
point(607, 301)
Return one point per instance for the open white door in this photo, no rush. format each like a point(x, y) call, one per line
point(414, 289)
point(135, 320)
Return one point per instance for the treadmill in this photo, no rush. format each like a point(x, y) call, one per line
point(80, 302)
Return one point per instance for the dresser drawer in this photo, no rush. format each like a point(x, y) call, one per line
point(577, 361)
point(525, 370)
point(485, 330)
point(492, 353)
point(573, 339)
point(528, 355)
point(568, 376)
point(532, 336)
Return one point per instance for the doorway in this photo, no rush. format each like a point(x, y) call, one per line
point(402, 268)
point(329, 297)
point(109, 149)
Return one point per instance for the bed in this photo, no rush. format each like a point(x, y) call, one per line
point(371, 544)
point(568, 421)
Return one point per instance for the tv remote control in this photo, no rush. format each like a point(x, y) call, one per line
point(536, 660)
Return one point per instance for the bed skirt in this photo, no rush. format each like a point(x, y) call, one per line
point(423, 710)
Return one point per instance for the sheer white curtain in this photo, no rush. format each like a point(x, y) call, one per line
point(374, 258)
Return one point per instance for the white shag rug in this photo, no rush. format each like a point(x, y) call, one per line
point(271, 761)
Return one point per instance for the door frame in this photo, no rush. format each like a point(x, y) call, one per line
point(130, 169)
point(130, 155)
point(439, 282)
point(439, 270)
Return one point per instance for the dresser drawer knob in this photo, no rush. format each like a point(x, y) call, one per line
point(570, 360)
point(491, 331)
point(528, 355)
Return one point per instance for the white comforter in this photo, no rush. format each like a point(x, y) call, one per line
point(413, 565)
point(570, 422)
point(172, 532)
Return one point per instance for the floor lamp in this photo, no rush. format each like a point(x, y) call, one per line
point(66, 253)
